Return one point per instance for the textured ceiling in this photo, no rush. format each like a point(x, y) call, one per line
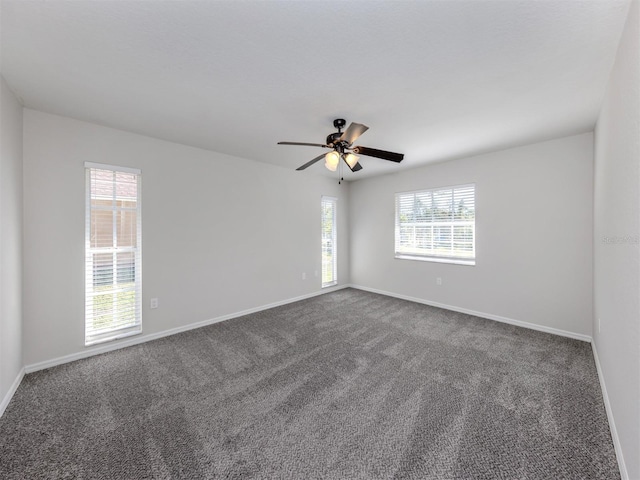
point(433, 79)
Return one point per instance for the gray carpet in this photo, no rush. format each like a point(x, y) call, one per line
point(347, 385)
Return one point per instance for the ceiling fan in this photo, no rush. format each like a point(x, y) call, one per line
point(341, 145)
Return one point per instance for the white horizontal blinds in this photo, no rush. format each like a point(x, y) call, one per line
point(329, 253)
point(437, 223)
point(113, 266)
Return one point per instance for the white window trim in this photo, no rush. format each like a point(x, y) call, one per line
point(457, 260)
point(136, 328)
point(113, 168)
point(334, 241)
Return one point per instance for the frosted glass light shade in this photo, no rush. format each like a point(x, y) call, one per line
point(330, 167)
point(351, 159)
point(331, 160)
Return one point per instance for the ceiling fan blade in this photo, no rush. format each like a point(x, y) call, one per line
point(305, 144)
point(311, 162)
point(357, 167)
point(353, 132)
point(373, 152)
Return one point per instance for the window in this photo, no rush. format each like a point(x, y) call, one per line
point(113, 283)
point(437, 225)
point(329, 258)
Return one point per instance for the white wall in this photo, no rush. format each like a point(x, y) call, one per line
point(10, 242)
point(533, 235)
point(220, 234)
point(616, 243)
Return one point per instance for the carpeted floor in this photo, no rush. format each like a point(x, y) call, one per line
point(347, 385)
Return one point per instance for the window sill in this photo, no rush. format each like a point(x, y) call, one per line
point(455, 261)
point(116, 336)
point(327, 285)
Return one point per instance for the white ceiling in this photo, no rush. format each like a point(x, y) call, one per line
point(434, 80)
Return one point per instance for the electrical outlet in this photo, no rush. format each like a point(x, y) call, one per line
point(304, 275)
point(438, 281)
point(315, 273)
point(154, 303)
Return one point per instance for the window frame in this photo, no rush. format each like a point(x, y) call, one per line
point(452, 258)
point(333, 201)
point(92, 279)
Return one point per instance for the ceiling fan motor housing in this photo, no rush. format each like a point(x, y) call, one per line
point(332, 138)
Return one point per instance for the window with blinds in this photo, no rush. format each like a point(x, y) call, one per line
point(437, 225)
point(329, 254)
point(113, 265)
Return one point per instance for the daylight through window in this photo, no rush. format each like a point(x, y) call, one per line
point(113, 288)
point(329, 254)
point(436, 225)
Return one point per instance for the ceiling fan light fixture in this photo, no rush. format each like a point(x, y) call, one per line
point(340, 141)
point(351, 159)
point(333, 168)
point(331, 160)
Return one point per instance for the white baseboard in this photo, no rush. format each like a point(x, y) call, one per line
point(116, 345)
point(612, 424)
point(607, 405)
point(12, 390)
point(497, 318)
point(146, 338)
